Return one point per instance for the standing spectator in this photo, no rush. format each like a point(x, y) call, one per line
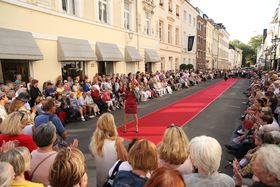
point(68, 169)
point(144, 160)
point(205, 154)
point(43, 158)
point(166, 177)
point(3, 101)
point(173, 150)
point(18, 80)
point(19, 158)
point(34, 92)
point(130, 106)
point(106, 147)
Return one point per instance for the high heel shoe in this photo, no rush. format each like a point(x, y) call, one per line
point(137, 130)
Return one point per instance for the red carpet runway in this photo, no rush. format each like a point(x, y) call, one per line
point(153, 125)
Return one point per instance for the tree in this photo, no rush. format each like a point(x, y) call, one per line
point(249, 54)
point(183, 66)
point(190, 66)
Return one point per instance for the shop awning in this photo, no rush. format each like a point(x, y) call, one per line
point(70, 49)
point(18, 45)
point(108, 52)
point(151, 55)
point(131, 54)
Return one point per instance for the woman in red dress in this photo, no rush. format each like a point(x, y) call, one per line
point(130, 106)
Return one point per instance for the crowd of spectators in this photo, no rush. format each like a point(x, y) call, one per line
point(34, 150)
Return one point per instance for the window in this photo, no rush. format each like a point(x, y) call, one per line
point(177, 10)
point(148, 23)
point(177, 36)
point(127, 15)
point(103, 11)
point(170, 5)
point(190, 19)
point(193, 22)
point(169, 34)
point(69, 7)
point(185, 16)
point(161, 30)
point(162, 63)
point(161, 2)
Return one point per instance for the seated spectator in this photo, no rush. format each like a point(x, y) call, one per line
point(43, 158)
point(68, 169)
point(67, 108)
point(7, 177)
point(205, 154)
point(106, 147)
point(19, 158)
point(85, 106)
point(173, 150)
point(92, 107)
point(3, 101)
point(166, 177)
point(143, 159)
point(12, 127)
point(106, 97)
point(96, 96)
point(266, 167)
point(50, 90)
point(76, 106)
point(49, 109)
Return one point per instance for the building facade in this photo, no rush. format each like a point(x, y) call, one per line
point(210, 44)
point(189, 33)
point(76, 38)
point(223, 49)
point(201, 43)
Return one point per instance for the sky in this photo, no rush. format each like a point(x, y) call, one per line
point(243, 19)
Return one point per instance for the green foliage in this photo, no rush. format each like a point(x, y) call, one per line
point(183, 66)
point(249, 55)
point(189, 66)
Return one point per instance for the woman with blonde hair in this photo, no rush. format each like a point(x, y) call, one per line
point(68, 169)
point(143, 159)
point(106, 147)
point(12, 127)
point(173, 151)
point(19, 158)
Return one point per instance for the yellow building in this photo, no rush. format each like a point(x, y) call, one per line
point(223, 49)
point(169, 31)
point(48, 38)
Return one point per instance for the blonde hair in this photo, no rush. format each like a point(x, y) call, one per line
point(68, 168)
point(205, 153)
point(14, 123)
point(173, 148)
point(6, 177)
point(105, 129)
point(143, 156)
point(19, 158)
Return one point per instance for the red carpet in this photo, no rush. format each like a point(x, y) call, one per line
point(153, 125)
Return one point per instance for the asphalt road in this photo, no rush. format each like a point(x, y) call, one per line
point(217, 120)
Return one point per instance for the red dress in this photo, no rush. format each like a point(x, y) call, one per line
point(130, 103)
point(23, 139)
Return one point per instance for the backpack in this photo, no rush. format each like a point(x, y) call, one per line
point(110, 180)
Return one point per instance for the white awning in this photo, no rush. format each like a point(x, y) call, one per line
point(108, 52)
point(18, 45)
point(151, 55)
point(131, 54)
point(70, 49)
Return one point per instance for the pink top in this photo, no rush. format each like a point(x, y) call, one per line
point(42, 172)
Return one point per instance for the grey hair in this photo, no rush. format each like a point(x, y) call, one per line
point(276, 136)
point(269, 156)
point(205, 153)
point(44, 134)
point(5, 177)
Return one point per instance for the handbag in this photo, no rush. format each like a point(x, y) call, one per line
point(110, 180)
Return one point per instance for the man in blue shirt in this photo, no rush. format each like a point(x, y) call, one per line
point(49, 109)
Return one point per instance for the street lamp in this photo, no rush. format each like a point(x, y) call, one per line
point(275, 42)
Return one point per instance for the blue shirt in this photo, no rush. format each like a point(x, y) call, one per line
point(46, 117)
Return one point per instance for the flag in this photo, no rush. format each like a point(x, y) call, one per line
point(190, 42)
